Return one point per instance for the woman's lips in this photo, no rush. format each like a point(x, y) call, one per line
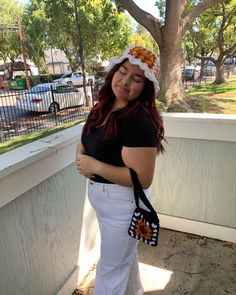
point(122, 89)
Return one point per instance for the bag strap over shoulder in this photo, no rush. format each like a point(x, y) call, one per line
point(139, 193)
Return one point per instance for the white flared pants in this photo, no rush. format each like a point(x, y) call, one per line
point(117, 271)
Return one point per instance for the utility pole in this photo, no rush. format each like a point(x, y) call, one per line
point(80, 47)
point(23, 52)
point(53, 68)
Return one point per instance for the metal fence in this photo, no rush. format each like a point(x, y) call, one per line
point(197, 82)
point(41, 107)
point(24, 111)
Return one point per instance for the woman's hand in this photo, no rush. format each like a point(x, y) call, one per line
point(141, 159)
point(87, 166)
point(81, 161)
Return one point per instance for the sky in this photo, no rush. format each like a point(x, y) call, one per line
point(147, 5)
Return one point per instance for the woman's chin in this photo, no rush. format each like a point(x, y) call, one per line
point(121, 95)
point(121, 100)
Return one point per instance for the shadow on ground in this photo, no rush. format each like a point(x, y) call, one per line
point(183, 264)
point(202, 104)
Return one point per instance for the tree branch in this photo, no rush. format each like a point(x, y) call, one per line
point(196, 273)
point(148, 21)
point(194, 42)
point(229, 17)
point(220, 39)
point(230, 51)
point(206, 58)
point(203, 5)
point(197, 43)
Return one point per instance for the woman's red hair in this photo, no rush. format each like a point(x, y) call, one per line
point(102, 114)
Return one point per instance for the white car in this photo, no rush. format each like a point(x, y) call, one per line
point(190, 73)
point(209, 69)
point(50, 97)
point(75, 79)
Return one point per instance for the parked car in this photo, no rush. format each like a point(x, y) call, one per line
point(230, 61)
point(75, 79)
point(209, 69)
point(4, 84)
point(190, 74)
point(97, 86)
point(50, 97)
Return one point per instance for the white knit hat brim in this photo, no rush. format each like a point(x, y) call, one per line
point(149, 73)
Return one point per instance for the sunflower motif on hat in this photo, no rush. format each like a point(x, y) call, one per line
point(145, 55)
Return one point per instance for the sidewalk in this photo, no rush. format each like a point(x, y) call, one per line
point(183, 264)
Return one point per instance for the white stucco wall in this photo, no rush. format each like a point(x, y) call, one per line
point(48, 230)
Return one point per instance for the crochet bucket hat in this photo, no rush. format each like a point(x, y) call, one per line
point(142, 57)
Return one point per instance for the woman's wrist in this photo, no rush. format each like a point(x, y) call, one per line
point(98, 167)
point(115, 174)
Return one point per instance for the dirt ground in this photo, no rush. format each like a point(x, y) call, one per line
point(183, 264)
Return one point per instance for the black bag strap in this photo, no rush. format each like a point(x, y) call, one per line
point(139, 193)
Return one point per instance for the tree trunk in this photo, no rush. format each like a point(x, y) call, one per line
point(202, 66)
point(171, 85)
point(219, 79)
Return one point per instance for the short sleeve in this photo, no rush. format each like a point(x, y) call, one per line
point(138, 131)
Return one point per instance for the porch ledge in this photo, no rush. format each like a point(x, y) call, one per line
point(200, 126)
point(25, 167)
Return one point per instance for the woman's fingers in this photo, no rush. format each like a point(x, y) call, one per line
point(86, 165)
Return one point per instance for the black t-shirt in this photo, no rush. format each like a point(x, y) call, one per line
point(136, 130)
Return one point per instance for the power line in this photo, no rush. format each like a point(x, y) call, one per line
point(9, 27)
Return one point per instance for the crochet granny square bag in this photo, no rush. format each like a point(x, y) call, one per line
point(144, 224)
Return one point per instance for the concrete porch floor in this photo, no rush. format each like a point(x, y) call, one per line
point(183, 264)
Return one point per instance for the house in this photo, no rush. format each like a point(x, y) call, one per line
point(18, 69)
point(56, 61)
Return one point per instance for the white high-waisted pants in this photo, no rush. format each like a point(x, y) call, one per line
point(117, 271)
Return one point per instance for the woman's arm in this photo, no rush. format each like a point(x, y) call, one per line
point(141, 159)
point(80, 149)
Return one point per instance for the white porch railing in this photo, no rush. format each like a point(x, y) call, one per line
point(48, 233)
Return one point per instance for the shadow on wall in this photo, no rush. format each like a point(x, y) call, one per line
point(89, 241)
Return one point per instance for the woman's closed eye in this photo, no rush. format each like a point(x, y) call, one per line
point(137, 79)
point(122, 70)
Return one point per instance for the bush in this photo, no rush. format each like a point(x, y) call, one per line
point(43, 78)
point(100, 75)
point(34, 80)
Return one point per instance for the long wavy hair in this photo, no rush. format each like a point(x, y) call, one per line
point(102, 114)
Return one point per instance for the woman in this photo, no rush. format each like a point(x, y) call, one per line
point(123, 130)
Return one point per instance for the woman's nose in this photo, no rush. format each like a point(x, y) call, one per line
point(126, 80)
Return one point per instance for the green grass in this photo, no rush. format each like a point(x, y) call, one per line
point(19, 141)
point(210, 88)
point(211, 98)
